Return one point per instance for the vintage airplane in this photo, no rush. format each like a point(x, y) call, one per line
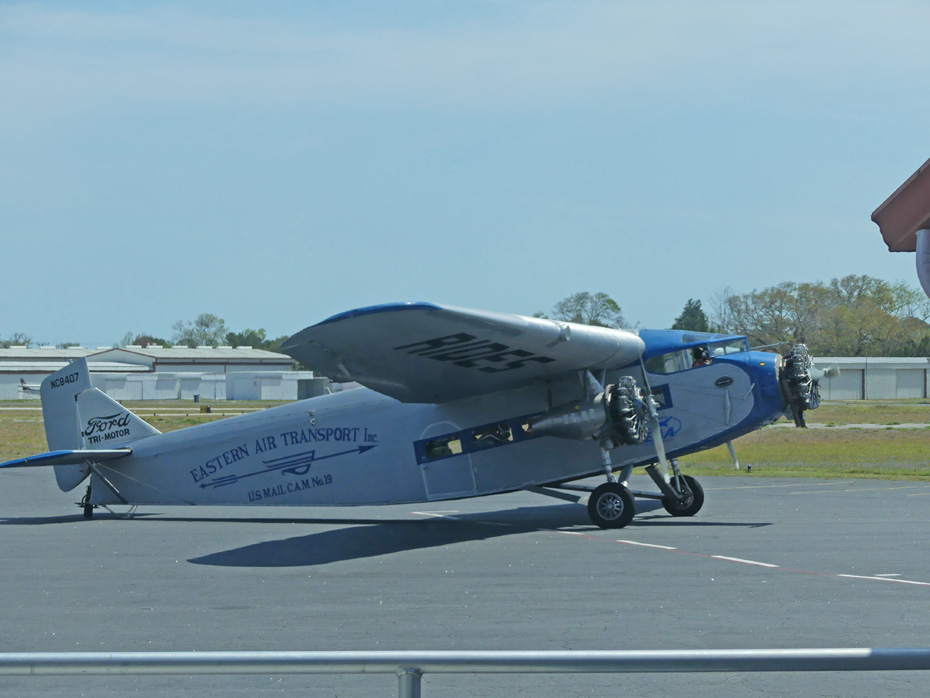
point(25, 387)
point(457, 403)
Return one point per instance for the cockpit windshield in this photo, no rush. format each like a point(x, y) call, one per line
point(695, 356)
point(733, 345)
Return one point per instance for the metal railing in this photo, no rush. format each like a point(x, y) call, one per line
point(411, 666)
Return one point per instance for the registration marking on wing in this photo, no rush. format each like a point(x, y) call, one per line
point(468, 351)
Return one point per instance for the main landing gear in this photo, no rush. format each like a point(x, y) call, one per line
point(613, 504)
point(620, 414)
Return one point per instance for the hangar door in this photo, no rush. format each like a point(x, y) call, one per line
point(910, 383)
point(846, 386)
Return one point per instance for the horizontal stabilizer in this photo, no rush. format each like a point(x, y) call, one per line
point(68, 458)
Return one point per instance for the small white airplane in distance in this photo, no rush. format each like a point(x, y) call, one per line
point(457, 403)
point(28, 387)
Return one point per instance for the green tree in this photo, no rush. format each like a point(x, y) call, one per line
point(589, 309)
point(849, 316)
point(144, 340)
point(275, 344)
point(16, 339)
point(692, 318)
point(257, 339)
point(247, 338)
point(207, 329)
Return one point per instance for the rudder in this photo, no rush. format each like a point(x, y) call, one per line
point(59, 393)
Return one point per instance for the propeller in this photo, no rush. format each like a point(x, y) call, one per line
point(800, 382)
point(817, 374)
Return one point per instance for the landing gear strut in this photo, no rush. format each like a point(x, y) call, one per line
point(86, 505)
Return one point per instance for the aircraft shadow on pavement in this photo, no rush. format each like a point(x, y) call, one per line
point(67, 518)
point(363, 538)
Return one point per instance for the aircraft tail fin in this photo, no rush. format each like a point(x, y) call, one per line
point(78, 416)
point(105, 423)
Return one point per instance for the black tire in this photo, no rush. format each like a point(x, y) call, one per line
point(692, 505)
point(611, 505)
point(88, 511)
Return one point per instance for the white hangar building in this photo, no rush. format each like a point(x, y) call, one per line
point(243, 373)
point(164, 373)
point(875, 378)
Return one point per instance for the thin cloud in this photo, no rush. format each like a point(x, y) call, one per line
point(531, 56)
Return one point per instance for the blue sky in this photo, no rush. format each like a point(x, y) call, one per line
point(275, 163)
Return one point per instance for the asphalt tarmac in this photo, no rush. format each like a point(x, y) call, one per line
point(768, 563)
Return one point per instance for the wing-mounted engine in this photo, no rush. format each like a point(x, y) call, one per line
point(615, 415)
point(800, 383)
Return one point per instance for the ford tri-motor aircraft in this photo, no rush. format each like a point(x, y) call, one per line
point(456, 403)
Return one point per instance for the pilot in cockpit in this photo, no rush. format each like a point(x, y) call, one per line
point(701, 357)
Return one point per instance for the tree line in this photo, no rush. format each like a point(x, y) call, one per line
point(208, 329)
point(851, 316)
point(205, 330)
point(848, 316)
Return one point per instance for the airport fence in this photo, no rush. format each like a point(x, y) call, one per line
point(411, 666)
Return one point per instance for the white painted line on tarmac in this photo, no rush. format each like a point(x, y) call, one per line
point(782, 487)
point(443, 515)
point(646, 545)
point(884, 579)
point(866, 489)
point(887, 577)
point(745, 562)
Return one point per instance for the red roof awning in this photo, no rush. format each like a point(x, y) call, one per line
point(905, 212)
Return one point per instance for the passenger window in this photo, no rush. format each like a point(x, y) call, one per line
point(443, 447)
point(493, 435)
point(660, 395)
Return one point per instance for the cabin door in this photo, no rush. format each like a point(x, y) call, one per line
point(447, 470)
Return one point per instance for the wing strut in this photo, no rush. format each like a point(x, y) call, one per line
point(672, 485)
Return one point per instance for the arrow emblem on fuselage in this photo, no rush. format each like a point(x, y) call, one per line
point(296, 464)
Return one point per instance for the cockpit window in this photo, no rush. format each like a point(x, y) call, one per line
point(673, 362)
point(732, 346)
point(696, 356)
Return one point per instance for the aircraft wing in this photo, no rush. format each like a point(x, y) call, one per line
point(420, 352)
point(67, 458)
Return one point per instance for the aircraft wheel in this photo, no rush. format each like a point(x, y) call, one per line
point(88, 511)
point(692, 504)
point(611, 505)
